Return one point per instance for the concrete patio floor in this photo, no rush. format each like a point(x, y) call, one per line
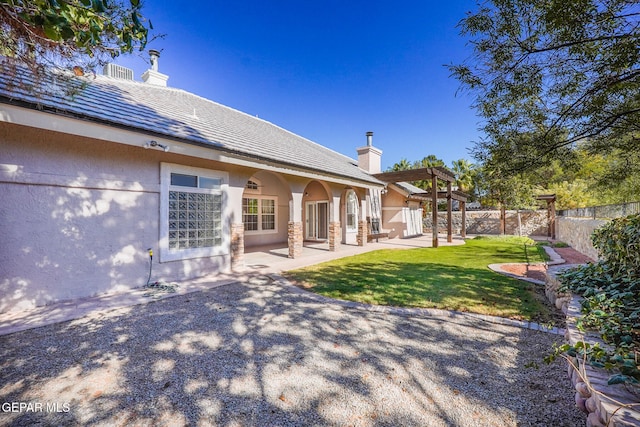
point(258, 260)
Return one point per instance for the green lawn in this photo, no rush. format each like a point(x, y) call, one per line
point(450, 277)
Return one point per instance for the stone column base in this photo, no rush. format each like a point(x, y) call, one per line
point(237, 246)
point(295, 239)
point(335, 236)
point(362, 233)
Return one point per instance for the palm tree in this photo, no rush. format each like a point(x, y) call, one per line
point(465, 174)
point(402, 165)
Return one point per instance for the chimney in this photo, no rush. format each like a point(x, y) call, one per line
point(369, 156)
point(152, 76)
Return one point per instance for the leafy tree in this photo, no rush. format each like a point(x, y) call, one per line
point(505, 191)
point(69, 33)
point(548, 74)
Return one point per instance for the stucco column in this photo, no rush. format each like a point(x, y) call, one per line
point(237, 246)
point(335, 226)
point(294, 227)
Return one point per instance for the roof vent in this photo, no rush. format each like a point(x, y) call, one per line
point(118, 71)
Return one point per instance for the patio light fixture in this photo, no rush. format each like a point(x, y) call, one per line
point(156, 144)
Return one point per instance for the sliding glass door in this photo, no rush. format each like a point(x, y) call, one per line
point(317, 221)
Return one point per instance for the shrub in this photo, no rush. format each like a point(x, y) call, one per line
point(618, 244)
point(611, 305)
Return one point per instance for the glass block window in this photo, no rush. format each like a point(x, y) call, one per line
point(193, 217)
point(259, 214)
point(195, 220)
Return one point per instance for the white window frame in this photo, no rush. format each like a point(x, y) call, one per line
point(260, 198)
point(356, 207)
point(166, 169)
point(249, 190)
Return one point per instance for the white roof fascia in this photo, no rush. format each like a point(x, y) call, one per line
point(57, 123)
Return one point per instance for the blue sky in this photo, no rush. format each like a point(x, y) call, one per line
point(328, 71)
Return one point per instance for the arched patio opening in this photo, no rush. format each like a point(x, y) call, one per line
point(316, 213)
point(265, 210)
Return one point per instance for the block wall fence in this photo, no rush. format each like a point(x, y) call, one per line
point(576, 232)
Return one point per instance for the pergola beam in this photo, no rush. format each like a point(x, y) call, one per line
point(416, 175)
point(433, 173)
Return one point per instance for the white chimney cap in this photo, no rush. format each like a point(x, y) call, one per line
point(153, 76)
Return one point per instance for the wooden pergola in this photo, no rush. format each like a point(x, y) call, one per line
point(434, 174)
point(551, 213)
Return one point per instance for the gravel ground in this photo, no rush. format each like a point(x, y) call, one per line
point(258, 353)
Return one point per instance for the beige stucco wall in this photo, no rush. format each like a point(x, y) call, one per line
point(79, 215)
point(271, 186)
point(393, 220)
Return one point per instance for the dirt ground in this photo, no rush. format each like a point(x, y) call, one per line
point(537, 271)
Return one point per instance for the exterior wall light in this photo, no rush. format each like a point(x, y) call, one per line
point(156, 144)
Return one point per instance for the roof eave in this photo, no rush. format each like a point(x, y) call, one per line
point(210, 145)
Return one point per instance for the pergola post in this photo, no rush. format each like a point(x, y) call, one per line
point(463, 230)
point(552, 219)
point(449, 209)
point(434, 210)
point(551, 213)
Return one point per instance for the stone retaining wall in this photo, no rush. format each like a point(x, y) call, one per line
point(577, 233)
point(605, 405)
point(534, 223)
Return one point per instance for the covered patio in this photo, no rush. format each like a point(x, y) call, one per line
point(275, 258)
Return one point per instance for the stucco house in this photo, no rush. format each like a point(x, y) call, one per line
point(97, 170)
point(402, 210)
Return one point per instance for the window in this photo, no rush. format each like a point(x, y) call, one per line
point(192, 213)
point(352, 211)
point(268, 214)
point(250, 214)
point(253, 186)
point(259, 214)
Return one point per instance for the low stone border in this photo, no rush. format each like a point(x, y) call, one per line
point(605, 405)
point(555, 259)
point(423, 312)
point(498, 268)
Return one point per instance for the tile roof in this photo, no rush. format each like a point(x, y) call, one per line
point(410, 188)
point(185, 116)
